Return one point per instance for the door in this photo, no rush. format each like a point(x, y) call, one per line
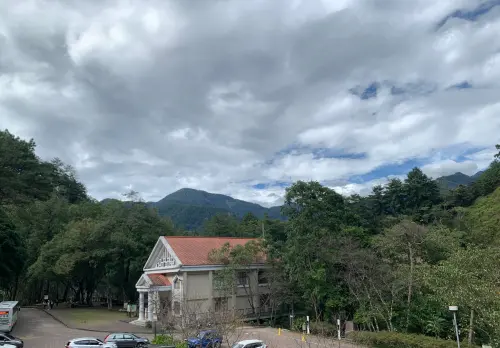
point(118, 340)
point(80, 344)
point(206, 340)
point(128, 341)
point(93, 343)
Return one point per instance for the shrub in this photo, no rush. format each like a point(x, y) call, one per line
point(297, 323)
point(168, 340)
point(386, 339)
point(323, 328)
point(164, 339)
point(149, 325)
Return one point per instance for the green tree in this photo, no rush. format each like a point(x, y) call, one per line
point(12, 255)
point(469, 279)
point(421, 194)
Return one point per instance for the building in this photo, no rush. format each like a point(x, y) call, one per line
point(179, 272)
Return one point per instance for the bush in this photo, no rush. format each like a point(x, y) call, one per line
point(168, 340)
point(149, 325)
point(323, 328)
point(164, 339)
point(386, 339)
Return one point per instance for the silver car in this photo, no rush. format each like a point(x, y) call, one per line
point(87, 342)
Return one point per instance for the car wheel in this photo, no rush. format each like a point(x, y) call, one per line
point(217, 345)
point(140, 345)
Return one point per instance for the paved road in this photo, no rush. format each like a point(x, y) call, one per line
point(39, 330)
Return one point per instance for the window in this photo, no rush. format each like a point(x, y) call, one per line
point(242, 278)
point(177, 307)
point(128, 337)
point(220, 304)
point(177, 284)
point(262, 277)
point(218, 281)
point(264, 300)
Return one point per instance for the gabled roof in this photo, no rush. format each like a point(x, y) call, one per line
point(159, 280)
point(194, 251)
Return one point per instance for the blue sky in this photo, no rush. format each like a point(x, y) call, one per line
point(184, 93)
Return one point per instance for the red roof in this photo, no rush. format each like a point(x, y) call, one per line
point(159, 280)
point(193, 251)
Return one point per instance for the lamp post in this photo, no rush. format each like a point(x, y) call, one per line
point(454, 310)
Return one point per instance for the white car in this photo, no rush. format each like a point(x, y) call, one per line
point(87, 342)
point(6, 345)
point(250, 344)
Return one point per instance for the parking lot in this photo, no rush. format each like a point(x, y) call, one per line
point(39, 330)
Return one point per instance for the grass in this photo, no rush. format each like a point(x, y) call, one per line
point(90, 315)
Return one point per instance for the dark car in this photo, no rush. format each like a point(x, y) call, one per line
point(127, 340)
point(6, 338)
point(205, 339)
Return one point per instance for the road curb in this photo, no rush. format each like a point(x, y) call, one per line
point(81, 328)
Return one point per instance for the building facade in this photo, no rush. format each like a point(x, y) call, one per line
point(179, 275)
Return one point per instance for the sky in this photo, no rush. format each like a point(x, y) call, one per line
point(245, 97)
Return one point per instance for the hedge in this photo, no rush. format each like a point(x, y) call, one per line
point(387, 339)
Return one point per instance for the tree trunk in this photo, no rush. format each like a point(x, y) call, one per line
point(471, 327)
point(410, 286)
point(65, 293)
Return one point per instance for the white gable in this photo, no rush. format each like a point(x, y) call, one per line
point(162, 257)
point(143, 282)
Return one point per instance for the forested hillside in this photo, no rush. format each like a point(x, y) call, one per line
point(190, 209)
point(393, 260)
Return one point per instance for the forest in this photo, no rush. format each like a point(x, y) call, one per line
point(391, 261)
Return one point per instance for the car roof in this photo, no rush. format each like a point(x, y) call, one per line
point(83, 338)
point(250, 341)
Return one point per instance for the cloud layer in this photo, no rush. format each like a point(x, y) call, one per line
point(244, 97)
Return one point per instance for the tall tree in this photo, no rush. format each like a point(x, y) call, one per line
point(12, 254)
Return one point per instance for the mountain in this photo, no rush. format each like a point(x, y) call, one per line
point(190, 208)
point(450, 182)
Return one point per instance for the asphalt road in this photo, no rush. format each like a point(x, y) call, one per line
point(39, 330)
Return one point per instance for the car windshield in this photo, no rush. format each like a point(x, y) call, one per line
point(10, 337)
point(98, 340)
point(238, 345)
point(200, 335)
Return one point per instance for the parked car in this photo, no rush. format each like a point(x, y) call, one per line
point(205, 339)
point(127, 340)
point(84, 342)
point(6, 345)
point(250, 344)
point(6, 338)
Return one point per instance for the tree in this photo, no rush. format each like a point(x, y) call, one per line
point(469, 279)
point(12, 255)
point(23, 175)
point(402, 245)
point(318, 218)
point(421, 194)
point(221, 225)
point(497, 156)
point(239, 270)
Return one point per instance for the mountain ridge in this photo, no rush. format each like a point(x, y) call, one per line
point(190, 208)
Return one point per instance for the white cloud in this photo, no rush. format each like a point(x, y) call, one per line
point(204, 94)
